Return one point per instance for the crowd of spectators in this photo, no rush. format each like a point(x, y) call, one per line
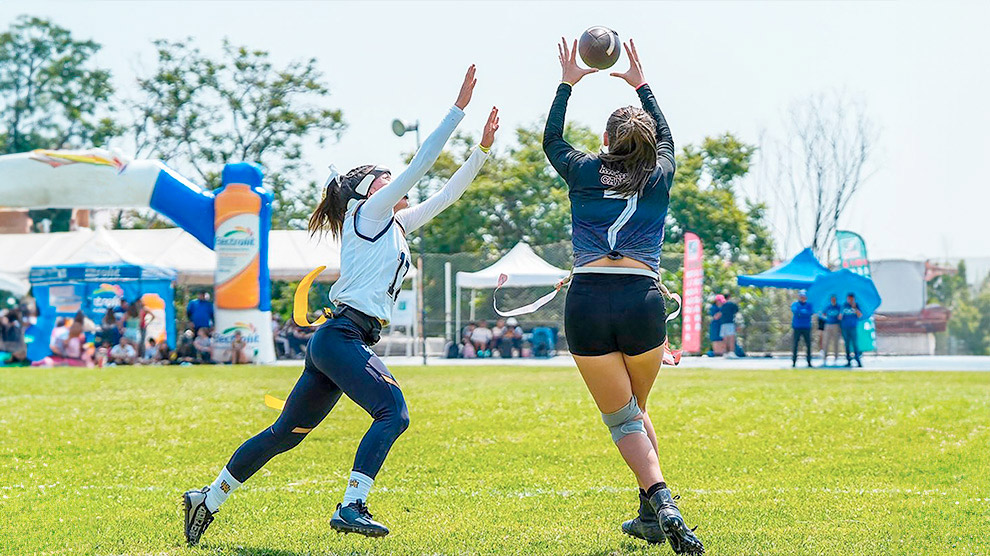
point(290, 339)
point(505, 340)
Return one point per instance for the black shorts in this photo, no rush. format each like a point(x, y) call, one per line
point(605, 313)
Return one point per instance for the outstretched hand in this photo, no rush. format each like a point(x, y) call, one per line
point(467, 89)
point(570, 71)
point(491, 126)
point(634, 75)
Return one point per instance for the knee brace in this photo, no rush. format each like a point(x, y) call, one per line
point(623, 422)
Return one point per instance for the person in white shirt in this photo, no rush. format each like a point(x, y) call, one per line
point(482, 336)
point(369, 212)
point(123, 353)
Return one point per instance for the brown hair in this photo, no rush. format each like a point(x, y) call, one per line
point(632, 148)
point(329, 214)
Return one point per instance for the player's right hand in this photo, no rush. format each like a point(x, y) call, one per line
point(570, 71)
point(467, 89)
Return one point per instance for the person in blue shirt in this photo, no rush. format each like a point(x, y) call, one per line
point(200, 312)
point(801, 324)
point(715, 328)
point(849, 319)
point(727, 316)
point(830, 317)
point(614, 315)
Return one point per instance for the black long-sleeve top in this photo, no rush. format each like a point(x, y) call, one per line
point(603, 222)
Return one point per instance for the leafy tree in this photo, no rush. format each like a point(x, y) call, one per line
point(52, 96)
point(199, 113)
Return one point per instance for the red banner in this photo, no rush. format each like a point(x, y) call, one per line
point(694, 274)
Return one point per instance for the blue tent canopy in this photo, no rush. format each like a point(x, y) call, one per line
point(798, 273)
point(88, 272)
point(843, 282)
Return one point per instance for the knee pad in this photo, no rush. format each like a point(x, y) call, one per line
point(623, 422)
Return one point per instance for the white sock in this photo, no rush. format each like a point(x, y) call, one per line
point(220, 490)
point(358, 487)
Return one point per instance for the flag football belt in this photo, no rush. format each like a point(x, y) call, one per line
point(370, 326)
point(532, 307)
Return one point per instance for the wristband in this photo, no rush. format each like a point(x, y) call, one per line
point(484, 149)
point(569, 84)
point(641, 85)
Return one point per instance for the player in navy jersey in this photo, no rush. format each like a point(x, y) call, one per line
point(368, 211)
point(614, 316)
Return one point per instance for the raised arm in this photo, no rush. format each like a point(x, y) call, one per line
point(634, 77)
point(414, 217)
point(559, 152)
point(379, 206)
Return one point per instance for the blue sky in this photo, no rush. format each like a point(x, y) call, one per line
point(920, 67)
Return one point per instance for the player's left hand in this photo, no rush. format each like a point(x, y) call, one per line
point(634, 75)
point(491, 126)
point(467, 89)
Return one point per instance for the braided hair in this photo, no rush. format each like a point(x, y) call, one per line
point(632, 148)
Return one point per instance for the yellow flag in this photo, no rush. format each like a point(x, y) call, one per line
point(274, 403)
point(300, 302)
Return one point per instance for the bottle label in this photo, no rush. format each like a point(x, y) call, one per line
point(236, 245)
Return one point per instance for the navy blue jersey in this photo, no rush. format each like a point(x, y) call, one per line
point(605, 224)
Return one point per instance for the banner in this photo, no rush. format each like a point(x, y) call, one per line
point(852, 255)
point(694, 274)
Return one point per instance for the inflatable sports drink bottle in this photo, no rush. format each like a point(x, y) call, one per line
point(238, 227)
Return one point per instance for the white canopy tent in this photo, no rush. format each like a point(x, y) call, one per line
point(13, 284)
point(523, 267)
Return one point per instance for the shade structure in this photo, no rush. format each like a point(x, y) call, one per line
point(841, 283)
point(798, 273)
point(13, 284)
point(522, 266)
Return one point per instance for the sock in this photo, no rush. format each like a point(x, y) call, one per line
point(358, 487)
point(221, 488)
point(642, 493)
point(655, 488)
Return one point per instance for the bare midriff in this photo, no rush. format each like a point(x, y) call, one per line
point(624, 262)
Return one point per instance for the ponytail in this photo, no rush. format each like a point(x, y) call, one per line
point(632, 148)
point(329, 214)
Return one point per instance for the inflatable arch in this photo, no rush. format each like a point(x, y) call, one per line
point(233, 220)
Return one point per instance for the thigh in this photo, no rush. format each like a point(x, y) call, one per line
point(339, 353)
point(642, 370)
point(311, 399)
point(606, 379)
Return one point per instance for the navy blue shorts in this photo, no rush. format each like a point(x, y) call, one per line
point(605, 313)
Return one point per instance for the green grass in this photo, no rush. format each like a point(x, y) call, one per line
point(501, 461)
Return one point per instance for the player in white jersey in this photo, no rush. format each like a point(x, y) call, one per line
point(369, 212)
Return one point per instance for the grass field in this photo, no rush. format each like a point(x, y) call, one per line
point(501, 461)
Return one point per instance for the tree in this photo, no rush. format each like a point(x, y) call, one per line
point(200, 113)
point(825, 159)
point(52, 96)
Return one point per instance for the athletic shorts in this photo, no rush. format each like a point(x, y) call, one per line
point(605, 313)
point(728, 329)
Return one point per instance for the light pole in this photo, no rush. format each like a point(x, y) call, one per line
point(400, 128)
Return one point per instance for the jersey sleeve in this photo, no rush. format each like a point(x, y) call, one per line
point(378, 207)
point(665, 141)
point(562, 156)
point(414, 217)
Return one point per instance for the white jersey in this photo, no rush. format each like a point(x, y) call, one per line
point(374, 254)
point(371, 267)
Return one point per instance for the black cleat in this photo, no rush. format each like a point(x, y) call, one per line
point(681, 538)
point(644, 526)
point(355, 518)
point(198, 517)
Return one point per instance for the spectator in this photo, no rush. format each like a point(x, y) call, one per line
point(715, 328)
point(132, 323)
point(238, 349)
point(60, 335)
point(727, 316)
point(11, 331)
point(145, 317)
point(89, 327)
point(830, 337)
point(481, 337)
point(109, 329)
point(161, 355)
point(849, 321)
point(468, 330)
point(123, 353)
point(497, 332)
point(103, 353)
point(200, 312)
point(185, 351)
point(203, 345)
point(16, 358)
point(513, 337)
point(801, 324)
point(468, 351)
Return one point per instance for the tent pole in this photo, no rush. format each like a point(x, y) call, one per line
point(446, 299)
point(457, 315)
point(471, 310)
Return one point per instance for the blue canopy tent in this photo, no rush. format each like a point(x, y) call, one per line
point(841, 283)
point(63, 290)
point(797, 274)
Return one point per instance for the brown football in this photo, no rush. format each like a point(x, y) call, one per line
point(599, 47)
